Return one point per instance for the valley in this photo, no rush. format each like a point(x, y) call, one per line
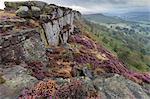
point(129, 40)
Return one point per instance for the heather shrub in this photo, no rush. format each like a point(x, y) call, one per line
point(74, 90)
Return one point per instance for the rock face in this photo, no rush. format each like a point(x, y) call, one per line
point(58, 25)
point(57, 22)
point(110, 86)
point(23, 11)
point(55, 26)
point(117, 87)
point(25, 45)
point(16, 78)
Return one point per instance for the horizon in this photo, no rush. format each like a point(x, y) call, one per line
point(98, 6)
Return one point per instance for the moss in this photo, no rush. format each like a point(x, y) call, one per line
point(89, 66)
point(2, 80)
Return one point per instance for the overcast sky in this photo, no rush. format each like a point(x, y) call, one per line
point(99, 6)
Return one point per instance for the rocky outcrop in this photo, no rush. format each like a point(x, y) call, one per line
point(16, 78)
point(25, 45)
point(15, 5)
point(117, 87)
point(55, 24)
point(109, 86)
point(58, 25)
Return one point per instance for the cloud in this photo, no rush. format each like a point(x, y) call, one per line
point(96, 6)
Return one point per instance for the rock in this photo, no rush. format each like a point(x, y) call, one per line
point(52, 32)
point(36, 11)
point(87, 72)
point(26, 12)
point(16, 5)
point(76, 30)
point(77, 15)
point(34, 49)
point(6, 27)
point(75, 89)
point(23, 12)
point(87, 83)
point(16, 79)
point(39, 4)
point(118, 87)
point(146, 88)
point(57, 31)
point(25, 45)
point(45, 18)
point(62, 81)
point(48, 9)
point(90, 88)
point(83, 71)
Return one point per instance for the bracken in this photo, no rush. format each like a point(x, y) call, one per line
point(74, 90)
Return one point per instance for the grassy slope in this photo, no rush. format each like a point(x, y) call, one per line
point(121, 45)
point(103, 19)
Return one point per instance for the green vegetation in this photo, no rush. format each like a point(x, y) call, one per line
point(131, 47)
point(2, 80)
point(104, 19)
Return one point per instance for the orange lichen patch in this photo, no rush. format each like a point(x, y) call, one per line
point(46, 88)
point(4, 14)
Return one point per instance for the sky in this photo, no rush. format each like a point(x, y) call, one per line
point(99, 6)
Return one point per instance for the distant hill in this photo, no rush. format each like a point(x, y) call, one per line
point(130, 42)
point(101, 18)
point(136, 16)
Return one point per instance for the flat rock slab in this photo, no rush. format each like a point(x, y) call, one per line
point(118, 87)
point(17, 79)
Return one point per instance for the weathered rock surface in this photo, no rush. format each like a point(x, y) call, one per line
point(58, 25)
point(23, 11)
point(15, 5)
point(57, 22)
point(117, 87)
point(111, 86)
point(54, 28)
point(23, 46)
point(16, 79)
